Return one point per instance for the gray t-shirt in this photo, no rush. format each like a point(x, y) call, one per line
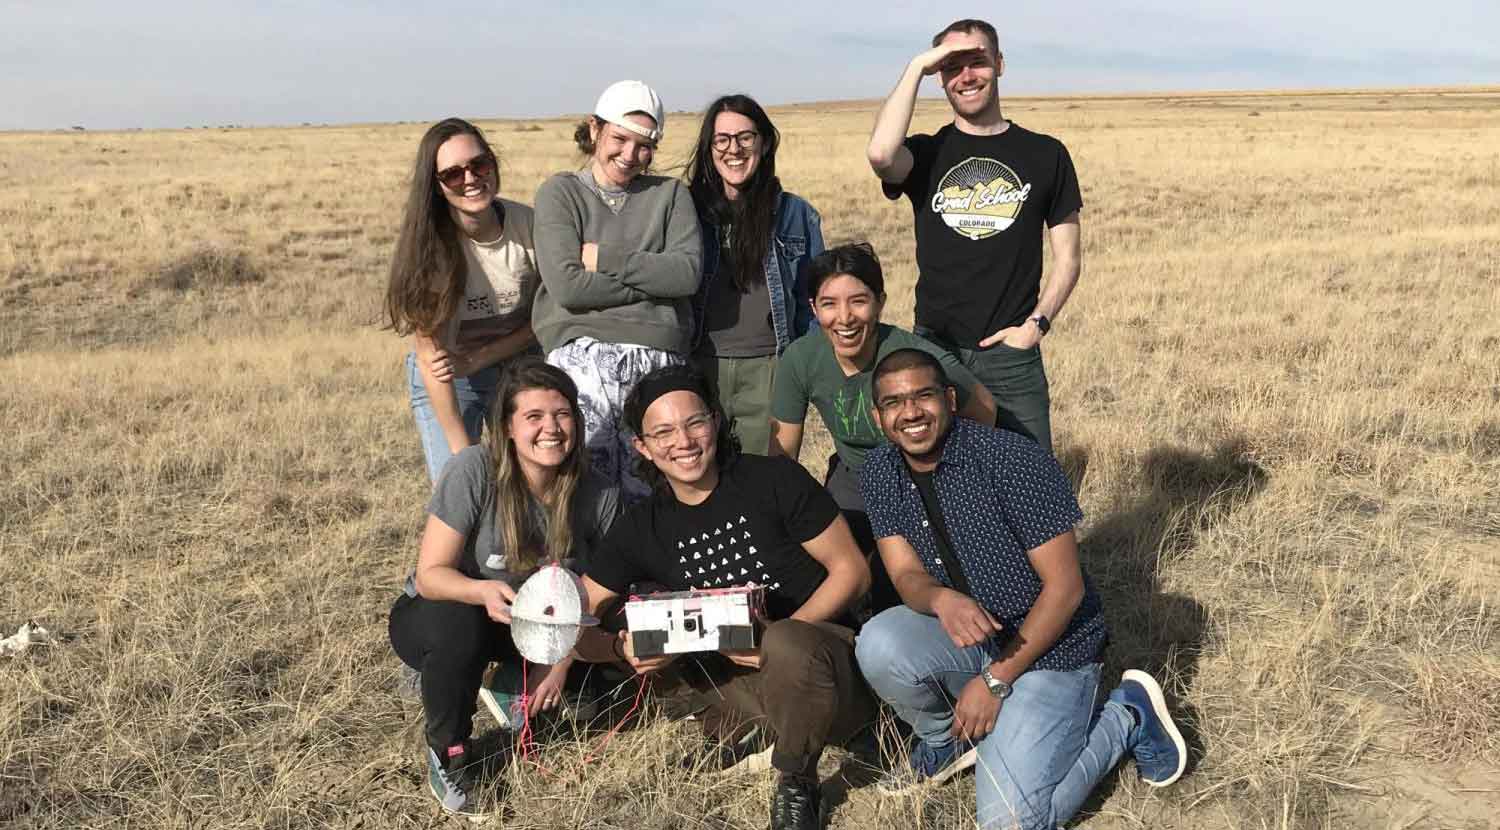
point(464, 500)
point(736, 324)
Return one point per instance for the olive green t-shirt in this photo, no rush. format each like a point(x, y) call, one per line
point(810, 373)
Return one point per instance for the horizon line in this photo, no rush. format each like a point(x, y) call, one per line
point(1249, 92)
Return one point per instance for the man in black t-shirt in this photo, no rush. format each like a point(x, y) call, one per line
point(983, 189)
point(717, 518)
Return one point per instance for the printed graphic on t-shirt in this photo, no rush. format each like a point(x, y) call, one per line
point(725, 557)
point(852, 423)
point(979, 197)
point(489, 314)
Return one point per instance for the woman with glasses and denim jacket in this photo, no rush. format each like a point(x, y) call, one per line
point(461, 286)
point(757, 240)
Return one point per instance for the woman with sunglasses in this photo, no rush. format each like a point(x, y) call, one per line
point(619, 257)
point(462, 283)
point(757, 240)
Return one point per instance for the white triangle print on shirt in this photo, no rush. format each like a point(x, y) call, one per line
point(742, 519)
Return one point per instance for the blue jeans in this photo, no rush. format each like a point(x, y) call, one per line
point(475, 395)
point(1050, 745)
point(1018, 382)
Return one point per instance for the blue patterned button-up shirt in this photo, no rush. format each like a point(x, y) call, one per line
point(1001, 496)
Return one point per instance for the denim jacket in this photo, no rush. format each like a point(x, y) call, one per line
point(798, 238)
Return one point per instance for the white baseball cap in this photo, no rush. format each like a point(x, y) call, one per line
point(624, 97)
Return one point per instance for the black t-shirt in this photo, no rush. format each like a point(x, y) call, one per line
point(981, 203)
point(749, 529)
point(957, 579)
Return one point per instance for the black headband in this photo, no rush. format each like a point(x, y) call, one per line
point(652, 387)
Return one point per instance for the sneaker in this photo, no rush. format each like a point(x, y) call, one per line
point(929, 765)
point(453, 783)
point(796, 804)
point(751, 753)
point(1160, 753)
point(500, 692)
point(409, 684)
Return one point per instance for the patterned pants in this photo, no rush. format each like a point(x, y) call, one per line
point(605, 374)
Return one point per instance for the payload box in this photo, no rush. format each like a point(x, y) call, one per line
point(707, 619)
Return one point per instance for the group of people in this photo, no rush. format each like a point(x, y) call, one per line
point(644, 350)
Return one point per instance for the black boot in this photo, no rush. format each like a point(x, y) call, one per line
point(797, 804)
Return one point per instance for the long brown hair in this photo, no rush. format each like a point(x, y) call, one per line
point(427, 270)
point(523, 546)
point(753, 215)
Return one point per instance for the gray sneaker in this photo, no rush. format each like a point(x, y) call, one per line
point(500, 692)
point(409, 684)
point(453, 783)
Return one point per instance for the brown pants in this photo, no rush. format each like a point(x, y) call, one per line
point(808, 692)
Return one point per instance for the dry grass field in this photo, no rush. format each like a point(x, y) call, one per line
point(1277, 390)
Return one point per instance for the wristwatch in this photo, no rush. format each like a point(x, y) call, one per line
point(1042, 323)
point(999, 688)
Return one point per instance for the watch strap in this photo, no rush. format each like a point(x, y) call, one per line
point(999, 688)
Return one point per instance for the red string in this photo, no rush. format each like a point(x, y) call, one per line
point(640, 692)
point(527, 743)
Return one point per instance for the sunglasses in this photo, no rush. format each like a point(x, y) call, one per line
point(453, 177)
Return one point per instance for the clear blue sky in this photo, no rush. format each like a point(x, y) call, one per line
point(165, 63)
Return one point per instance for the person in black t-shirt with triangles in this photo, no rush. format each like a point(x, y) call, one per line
point(983, 189)
point(717, 518)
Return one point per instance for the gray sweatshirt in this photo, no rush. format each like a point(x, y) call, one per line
point(650, 262)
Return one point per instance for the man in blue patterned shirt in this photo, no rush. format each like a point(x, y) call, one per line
point(975, 526)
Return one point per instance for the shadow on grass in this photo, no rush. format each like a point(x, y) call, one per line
point(1181, 495)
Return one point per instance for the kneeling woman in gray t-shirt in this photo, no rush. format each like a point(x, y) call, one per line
point(499, 511)
point(620, 259)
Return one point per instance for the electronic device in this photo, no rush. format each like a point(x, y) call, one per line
point(705, 619)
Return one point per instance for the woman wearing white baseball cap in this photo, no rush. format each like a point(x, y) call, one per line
point(620, 258)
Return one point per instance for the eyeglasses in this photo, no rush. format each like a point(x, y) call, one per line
point(745, 139)
point(696, 427)
point(453, 177)
point(896, 403)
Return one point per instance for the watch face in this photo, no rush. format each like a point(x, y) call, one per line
point(999, 688)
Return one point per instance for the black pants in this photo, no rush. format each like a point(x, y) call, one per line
point(450, 643)
point(843, 485)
